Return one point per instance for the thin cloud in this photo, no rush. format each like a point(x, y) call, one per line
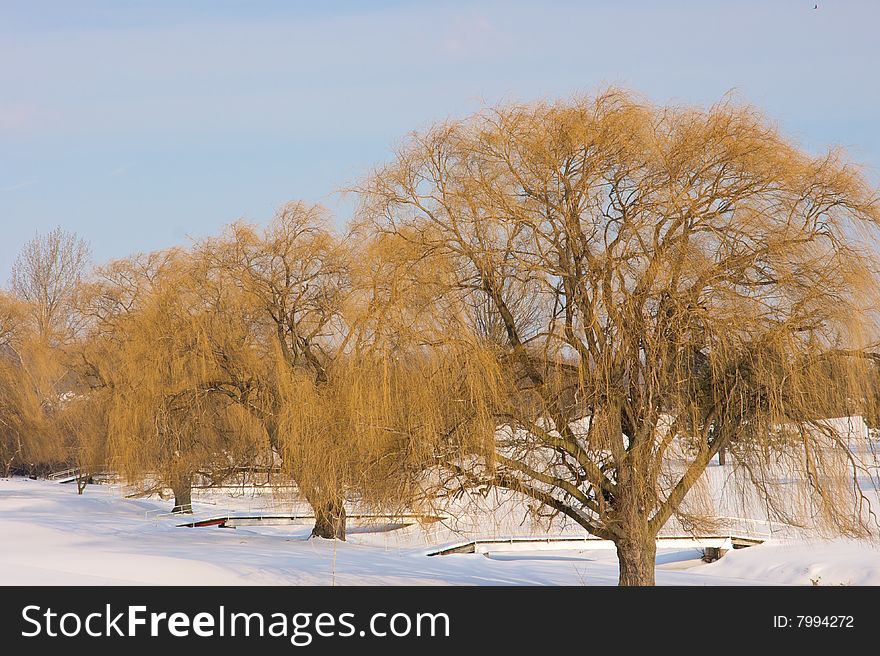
point(20, 185)
point(120, 170)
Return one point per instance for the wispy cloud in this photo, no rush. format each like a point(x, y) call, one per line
point(120, 170)
point(19, 185)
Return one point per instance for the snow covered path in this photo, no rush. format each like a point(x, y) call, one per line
point(49, 535)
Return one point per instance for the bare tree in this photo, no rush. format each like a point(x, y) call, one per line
point(689, 272)
point(46, 276)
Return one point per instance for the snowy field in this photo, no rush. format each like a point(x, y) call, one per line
point(50, 535)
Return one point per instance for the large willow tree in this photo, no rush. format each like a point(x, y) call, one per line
point(660, 283)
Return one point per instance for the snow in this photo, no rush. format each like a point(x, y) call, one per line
point(51, 535)
point(811, 562)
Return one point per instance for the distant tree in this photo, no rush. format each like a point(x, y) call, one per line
point(30, 437)
point(45, 281)
point(10, 318)
point(658, 284)
point(46, 275)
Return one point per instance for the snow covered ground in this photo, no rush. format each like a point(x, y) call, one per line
point(50, 535)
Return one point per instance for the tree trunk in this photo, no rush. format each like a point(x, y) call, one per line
point(330, 520)
point(9, 462)
point(636, 558)
point(182, 488)
point(721, 457)
point(637, 543)
point(82, 480)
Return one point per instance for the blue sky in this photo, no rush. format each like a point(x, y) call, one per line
point(139, 123)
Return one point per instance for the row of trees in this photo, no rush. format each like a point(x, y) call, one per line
point(582, 302)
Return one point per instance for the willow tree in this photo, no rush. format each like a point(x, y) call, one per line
point(37, 320)
point(321, 366)
point(158, 321)
point(291, 281)
point(391, 395)
point(663, 283)
point(32, 395)
point(105, 302)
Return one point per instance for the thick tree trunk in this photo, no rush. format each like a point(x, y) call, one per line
point(329, 520)
point(721, 457)
point(182, 488)
point(637, 543)
point(636, 558)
